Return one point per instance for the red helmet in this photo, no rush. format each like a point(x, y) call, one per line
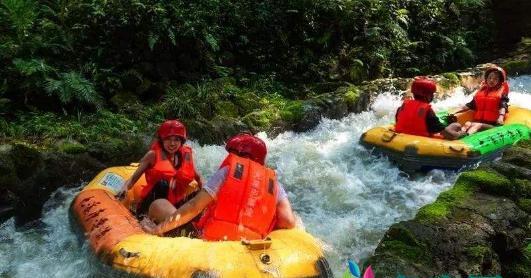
point(172, 128)
point(423, 86)
point(245, 144)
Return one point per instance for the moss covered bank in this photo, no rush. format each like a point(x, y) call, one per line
point(481, 226)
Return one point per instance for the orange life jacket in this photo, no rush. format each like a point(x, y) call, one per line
point(411, 118)
point(245, 206)
point(488, 103)
point(164, 170)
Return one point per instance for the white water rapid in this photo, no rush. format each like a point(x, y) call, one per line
point(345, 196)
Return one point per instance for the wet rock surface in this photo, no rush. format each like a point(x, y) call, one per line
point(28, 176)
point(481, 226)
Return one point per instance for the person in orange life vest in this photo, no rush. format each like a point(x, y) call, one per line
point(490, 103)
point(168, 167)
point(243, 199)
point(416, 117)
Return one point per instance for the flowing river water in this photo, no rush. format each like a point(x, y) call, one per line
point(344, 196)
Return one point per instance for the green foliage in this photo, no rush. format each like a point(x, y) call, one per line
point(31, 67)
point(21, 14)
point(181, 102)
point(72, 86)
point(48, 128)
point(81, 53)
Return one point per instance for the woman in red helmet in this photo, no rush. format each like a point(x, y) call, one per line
point(416, 117)
point(243, 199)
point(168, 166)
point(490, 103)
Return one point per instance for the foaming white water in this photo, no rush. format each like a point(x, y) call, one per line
point(521, 83)
point(344, 195)
point(51, 249)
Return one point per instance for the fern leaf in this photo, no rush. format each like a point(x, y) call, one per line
point(29, 67)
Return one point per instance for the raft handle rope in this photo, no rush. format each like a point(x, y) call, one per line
point(457, 149)
point(257, 244)
point(126, 254)
point(388, 136)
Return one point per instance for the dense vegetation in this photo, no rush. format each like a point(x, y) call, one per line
point(149, 59)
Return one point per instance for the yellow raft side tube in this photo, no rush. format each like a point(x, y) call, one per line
point(386, 137)
point(116, 237)
point(292, 253)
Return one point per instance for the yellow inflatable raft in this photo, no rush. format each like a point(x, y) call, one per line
point(424, 153)
point(117, 238)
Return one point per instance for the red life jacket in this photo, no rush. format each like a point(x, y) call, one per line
point(488, 103)
point(411, 118)
point(245, 206)
point(164, 170)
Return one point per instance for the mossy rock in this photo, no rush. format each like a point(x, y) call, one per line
point(225, 127)
point(449, 80)
point(261, 120)
point(8, 177)
point(442, 207)
point(71, 147)
point(520, 155)
point(433, 212)
point(489, 182)
point(327, 87)
point(478, 251)
point(402, 250)
point(461, 191)
point(351, 95)
point(201, 130)
point(518, 66)
point(293, 112)
point(526, 144)
point(523, 188)
point(226, 109)
point(401, 233)
point(115, 151)
point(25, 157)
point(525, 205)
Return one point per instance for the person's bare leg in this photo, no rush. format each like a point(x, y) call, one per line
point(160, 210)
point(453, 131)
point(466, 126)
point(476, 127)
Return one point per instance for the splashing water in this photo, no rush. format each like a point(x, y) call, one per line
point(344, 195)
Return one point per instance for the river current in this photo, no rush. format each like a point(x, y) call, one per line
point(344, 196)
